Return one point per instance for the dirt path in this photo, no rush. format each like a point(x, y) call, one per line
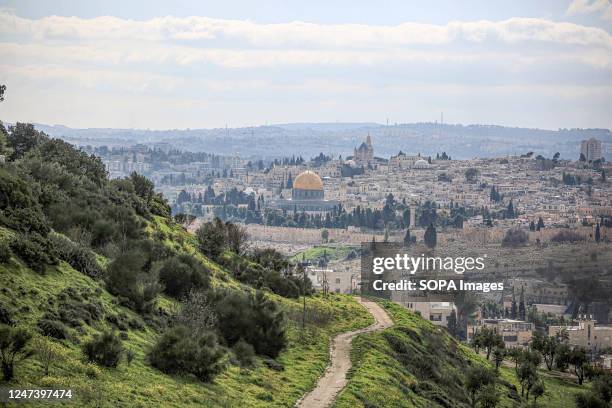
point(334, 379)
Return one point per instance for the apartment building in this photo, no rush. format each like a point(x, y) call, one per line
point(586, 333)
point(516, 333)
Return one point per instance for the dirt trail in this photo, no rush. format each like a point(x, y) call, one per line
point(334, 379)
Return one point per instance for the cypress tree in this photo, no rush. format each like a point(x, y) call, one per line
point(430, 237)
point(407, 238)
point(522, 304)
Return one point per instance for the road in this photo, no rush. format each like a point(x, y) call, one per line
point(334, 379)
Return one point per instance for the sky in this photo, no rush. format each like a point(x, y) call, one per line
point(198, 64)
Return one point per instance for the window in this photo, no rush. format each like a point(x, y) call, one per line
point(337, 280)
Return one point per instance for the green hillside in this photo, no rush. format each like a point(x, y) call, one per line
point(27, 294)
point(84, 259)
point(416, 364)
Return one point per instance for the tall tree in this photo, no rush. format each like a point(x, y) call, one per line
point(510, 213)
point(452, 323)
point(513, 310)
point(407, 238)
point(522, 310)
point(430, 236)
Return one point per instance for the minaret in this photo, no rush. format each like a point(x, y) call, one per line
point(369, 141)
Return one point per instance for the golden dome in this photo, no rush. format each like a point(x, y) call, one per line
point(308, 180)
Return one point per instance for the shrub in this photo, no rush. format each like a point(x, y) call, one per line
point(197, 312)
point(5, 252)
point(77, 256)
point(33, 251)
point(209, 359)
point(127, 279)
point(6, 316)
point(174, 351)
point(244, 353)
point(104, 349)
point(211, 238)
point(253, 317)
point(116, 321)
point(129, 356)
point(515, 237)
point(47, 352)
point(179, 351)
point(53, 328)
point(92, 371)
point(73, 310)
point(273, 364)
point(268, 273)
point(180, 274)
point(567, 236)
point(13, 349)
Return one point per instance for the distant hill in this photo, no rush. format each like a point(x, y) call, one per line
point(309, 139)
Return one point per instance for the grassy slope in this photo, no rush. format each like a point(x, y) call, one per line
point(26, 293)
point(378, 379)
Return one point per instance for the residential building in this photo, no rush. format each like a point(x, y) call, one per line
point(515, 333)
point(591, 149)
point(586, 333)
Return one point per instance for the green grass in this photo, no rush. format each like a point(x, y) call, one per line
point(27, 294)
point(316, 252)
point(378, 378)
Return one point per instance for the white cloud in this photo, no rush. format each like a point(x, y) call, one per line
point(208, 30)
point(591, 6)
point(277, 71)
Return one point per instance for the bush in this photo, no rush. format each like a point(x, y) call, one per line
point(180, 351)
point(104, 349)
point(211, 238)
point(273, 364)
point(268, 274)
point(53, 328)
point(174, 351)
point(244, 353)
point(5, 252)
point(515, 237)
point(92, 371)
point(129, 356)
point(6, 316)
point(13, 349)
point(73, 310)
point(33, 250)
point(180, 274)
point(252, 317)
point(567, 236)
point(127, 279)
point(77, 256)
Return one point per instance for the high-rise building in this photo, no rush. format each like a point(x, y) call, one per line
point(591, 149)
